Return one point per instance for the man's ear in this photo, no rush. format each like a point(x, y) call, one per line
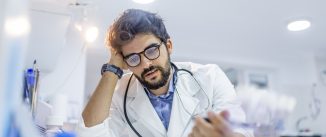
point(169, 46)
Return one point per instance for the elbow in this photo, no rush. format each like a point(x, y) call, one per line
point(86, 119)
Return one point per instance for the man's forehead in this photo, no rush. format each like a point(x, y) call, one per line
point(139, 43)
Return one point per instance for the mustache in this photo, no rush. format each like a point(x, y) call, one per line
point(146, 70)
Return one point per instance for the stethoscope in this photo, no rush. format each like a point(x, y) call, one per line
point(176, 70)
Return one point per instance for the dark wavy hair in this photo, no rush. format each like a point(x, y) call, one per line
point(133, 22)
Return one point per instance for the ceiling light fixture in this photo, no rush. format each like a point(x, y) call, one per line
point(299, 25)
point(17, 26)
point(143, 1)
point(91, 34)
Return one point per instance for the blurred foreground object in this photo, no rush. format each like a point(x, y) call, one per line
point(265, 110)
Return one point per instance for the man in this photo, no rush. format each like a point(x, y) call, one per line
point(158, 98)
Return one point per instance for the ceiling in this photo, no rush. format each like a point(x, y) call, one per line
point(248, 27)
point(209, 27)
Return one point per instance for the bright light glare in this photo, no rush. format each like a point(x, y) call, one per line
point(299, 25)
point(143, 1)
point(78, 27)
point(17, 26)
point(91, 34)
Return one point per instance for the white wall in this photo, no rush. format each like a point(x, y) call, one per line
point(60, 52)
point(93, 68)
point(2, 71)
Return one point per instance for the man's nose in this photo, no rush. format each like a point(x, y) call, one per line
point(145, 62)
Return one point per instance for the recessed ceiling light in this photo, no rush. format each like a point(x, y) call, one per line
point(143, 1)
point(299, 25)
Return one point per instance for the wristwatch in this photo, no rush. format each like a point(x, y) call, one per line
point(112, 68)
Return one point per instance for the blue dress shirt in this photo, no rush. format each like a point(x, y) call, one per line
point(163, 103)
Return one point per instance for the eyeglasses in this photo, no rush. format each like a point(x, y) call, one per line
point(152, 52)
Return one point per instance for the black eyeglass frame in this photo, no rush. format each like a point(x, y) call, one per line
point(143, 52)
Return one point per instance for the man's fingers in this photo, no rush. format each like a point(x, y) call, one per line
point(191, 135)
point(196, 132)
point(117, 59)
point(204, 128)
point(225, 114)
point(219, 123)
point(200, 125)
point(113, 51)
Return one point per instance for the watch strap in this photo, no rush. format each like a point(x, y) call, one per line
point(112, 68)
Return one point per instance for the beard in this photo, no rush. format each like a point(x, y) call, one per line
point(164, 74)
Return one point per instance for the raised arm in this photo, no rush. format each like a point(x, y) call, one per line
point(97, 108)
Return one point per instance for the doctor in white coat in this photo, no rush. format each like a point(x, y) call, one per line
point(158, 98)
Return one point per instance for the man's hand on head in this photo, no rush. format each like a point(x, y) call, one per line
point(117, 59)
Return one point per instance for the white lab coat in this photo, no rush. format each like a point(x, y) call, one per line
point(189, 99)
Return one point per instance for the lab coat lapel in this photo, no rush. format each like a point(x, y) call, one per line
point(184, 104)
point(142, 106)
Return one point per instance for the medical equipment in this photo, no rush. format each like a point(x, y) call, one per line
point(30, 95)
